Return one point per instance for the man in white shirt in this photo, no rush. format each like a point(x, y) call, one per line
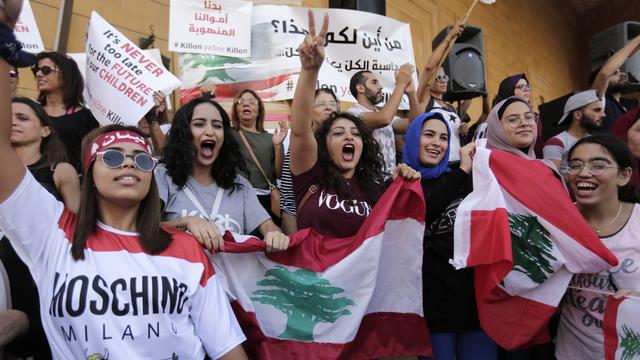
point(366, 88)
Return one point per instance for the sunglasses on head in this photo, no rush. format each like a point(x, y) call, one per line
point(114, 159)
point(46, 70)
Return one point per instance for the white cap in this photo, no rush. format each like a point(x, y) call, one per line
point(579, 100)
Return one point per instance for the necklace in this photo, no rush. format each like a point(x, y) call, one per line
point(598, 230)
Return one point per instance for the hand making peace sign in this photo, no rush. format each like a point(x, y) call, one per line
point(312, 48)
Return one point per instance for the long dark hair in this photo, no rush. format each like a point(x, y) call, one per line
point(72, 83)
point(180, 153)
point(51, 148)
point(153, 238)
point(620, 152)
point(369, 172)
point(235, 120)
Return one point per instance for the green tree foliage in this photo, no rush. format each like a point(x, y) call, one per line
point(532, 248)
point(304, 297)
point(630, 343)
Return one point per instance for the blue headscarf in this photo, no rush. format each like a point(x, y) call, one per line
point(411, 148)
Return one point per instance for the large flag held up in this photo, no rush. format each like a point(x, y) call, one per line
point(622, 329)
point(335, 298)
point(525, 242)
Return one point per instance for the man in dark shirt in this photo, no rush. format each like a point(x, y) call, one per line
point(610, 81)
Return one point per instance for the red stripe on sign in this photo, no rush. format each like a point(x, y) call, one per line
point(513, 322)
point(610, 329)
point(380, 335)
point(229, 91)
point(546, 197)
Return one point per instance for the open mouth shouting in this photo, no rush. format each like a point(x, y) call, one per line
point(207, 148)
point(348, 152)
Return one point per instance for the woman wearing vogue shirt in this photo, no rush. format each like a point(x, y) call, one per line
point(112, 282)
point(325, 103)
point(338, 173)
point(247, 118)
point(199, 181)
point(60, 84)
point(599, 171)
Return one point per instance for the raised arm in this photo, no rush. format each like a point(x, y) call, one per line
point(384, 117)
point(609, 68)
point(13, 169)
point(304, 149)
point(432, 64)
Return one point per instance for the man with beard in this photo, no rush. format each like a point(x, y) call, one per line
point(610, 82)
point(586, 113)
point(367, 90)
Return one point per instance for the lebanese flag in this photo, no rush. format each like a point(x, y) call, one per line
point(335, 298)
point(622, 329)
point(525, 238)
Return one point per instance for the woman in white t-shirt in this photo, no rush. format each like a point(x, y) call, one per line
point(199, 181)
point(599, 171)
point(112, 283)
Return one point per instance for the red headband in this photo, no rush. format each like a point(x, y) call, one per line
point(113, 137)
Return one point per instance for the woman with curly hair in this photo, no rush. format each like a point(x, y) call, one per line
point(60, 87)
point(338, 173)
point(199, 183)
point(247, 118)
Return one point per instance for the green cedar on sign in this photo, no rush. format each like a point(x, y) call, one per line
point(304, 297)
point(630, 344)
point(532, 248)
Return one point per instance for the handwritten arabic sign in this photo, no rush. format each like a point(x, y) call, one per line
point(219, 27)
point(355, 41)
point(27, 32)
point(120, 79)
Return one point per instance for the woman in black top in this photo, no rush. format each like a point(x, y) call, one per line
point(448, 294)
point(60, 84)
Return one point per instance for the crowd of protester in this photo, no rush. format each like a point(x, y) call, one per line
point(186, 180)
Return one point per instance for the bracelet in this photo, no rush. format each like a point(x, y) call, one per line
point(11, 49)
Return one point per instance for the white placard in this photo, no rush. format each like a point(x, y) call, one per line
point(355, 41)
point(220, 27)
point(27, 32)
point(120, 78)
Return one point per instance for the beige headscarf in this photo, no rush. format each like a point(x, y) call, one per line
point(495, 135)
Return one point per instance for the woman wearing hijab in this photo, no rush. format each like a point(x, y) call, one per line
point(448, 294)
point(518, 85)
point(627, 129)
point(512, 128)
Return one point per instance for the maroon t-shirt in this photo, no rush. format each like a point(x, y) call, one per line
point(324, 211)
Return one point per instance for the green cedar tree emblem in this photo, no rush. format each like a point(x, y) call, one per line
point(305, 297)
point(531, 247)
point(630, 344)
point(214, 63)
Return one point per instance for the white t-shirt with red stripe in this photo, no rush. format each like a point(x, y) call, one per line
point(119, 302)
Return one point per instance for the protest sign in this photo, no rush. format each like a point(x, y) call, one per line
point(355, 41)
point(218, 27)
point(120, 79)
point(27, 32)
